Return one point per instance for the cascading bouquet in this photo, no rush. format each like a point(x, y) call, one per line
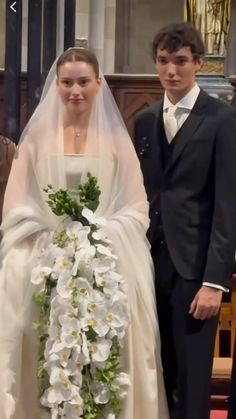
point(83, 316)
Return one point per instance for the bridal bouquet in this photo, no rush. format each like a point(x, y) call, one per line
point(83, 316)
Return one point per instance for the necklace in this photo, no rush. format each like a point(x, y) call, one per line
point(77, 132)
point(76, 140)
point(79, 139)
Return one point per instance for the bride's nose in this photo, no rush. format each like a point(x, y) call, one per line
point(76, 90)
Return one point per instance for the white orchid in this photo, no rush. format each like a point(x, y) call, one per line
point(100, 350)
point(63, 265)
point(82, 357)
point(78, 234)
point(39, 275)
point(66, 284)
point(106, 251)
point(95, 319)
point(82, 262)
point(116, 317)
point(100, 235)
point(92, 218)
point(101, 393)
point(72, 410)
point(122, 381)
point(108, 280)
point(87, 319)
point(70, 333)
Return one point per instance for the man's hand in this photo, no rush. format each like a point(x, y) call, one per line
point(206, 303)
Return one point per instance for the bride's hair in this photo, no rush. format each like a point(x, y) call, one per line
point(78, 54)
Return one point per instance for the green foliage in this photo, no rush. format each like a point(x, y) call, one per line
point(61, 203)
point(89, 193)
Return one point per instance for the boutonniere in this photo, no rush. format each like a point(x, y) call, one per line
point(143, 146)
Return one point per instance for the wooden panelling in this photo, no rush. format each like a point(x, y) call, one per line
point(131, 92)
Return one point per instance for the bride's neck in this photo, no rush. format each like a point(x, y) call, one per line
point(76, 120)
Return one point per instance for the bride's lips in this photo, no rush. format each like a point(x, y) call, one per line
point(76, 101)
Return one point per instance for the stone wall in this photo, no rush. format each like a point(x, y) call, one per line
point(132, 22)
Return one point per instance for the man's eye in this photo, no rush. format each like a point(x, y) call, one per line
point(181, 61)
point(162, 61)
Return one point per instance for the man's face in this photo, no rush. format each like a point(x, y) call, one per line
point(177, 72)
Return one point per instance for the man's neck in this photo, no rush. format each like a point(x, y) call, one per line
point(177, 97)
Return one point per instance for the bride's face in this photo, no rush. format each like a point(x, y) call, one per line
point(77, 86)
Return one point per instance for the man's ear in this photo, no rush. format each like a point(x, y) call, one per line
point(201, 60)
point(199, 63)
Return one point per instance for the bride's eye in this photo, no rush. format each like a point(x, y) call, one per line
point(67, 82)
point(84, 82)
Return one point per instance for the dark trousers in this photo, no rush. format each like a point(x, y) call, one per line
point(187, 344)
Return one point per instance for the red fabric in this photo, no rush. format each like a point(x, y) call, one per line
point(218, 414)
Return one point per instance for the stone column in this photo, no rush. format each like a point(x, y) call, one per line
point(24, 44)
point(96, 29)
point(82, 23)
point(60, 26)
point(109, 41)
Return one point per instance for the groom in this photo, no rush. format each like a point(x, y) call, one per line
point(187, 149)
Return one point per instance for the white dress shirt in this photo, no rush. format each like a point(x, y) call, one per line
point(181, 111)
point(183, 108)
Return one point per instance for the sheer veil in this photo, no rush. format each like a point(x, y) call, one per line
point(123, 203)
point(40, 159)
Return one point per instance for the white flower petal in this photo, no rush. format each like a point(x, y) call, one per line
point(92, 218)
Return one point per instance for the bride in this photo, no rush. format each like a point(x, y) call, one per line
point(75, 129)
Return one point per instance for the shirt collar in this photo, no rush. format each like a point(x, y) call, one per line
point(187, 102)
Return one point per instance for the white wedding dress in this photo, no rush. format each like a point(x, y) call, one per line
point(18, 341)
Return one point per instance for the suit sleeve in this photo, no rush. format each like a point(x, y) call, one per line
point(221, 251)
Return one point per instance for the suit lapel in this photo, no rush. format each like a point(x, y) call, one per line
point(156, 134)
point(189, 127)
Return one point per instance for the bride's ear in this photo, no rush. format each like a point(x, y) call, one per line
point(99, 81)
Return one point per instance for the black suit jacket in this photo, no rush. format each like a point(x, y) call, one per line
point(196, 193)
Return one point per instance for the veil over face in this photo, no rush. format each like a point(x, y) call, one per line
point(40, 161)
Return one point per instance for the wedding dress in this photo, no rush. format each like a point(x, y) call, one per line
point(18, 340)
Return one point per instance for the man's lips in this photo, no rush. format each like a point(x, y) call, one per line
point(172, 81)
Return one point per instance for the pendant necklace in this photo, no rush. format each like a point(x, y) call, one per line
point(76, 139)
point(77, 132)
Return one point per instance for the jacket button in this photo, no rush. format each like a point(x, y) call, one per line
point(157, 212)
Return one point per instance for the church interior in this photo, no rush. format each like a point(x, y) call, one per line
point(33, 33)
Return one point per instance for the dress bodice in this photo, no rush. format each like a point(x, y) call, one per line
point(74, 166)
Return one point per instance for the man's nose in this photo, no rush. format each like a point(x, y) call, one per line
point(171, 69)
